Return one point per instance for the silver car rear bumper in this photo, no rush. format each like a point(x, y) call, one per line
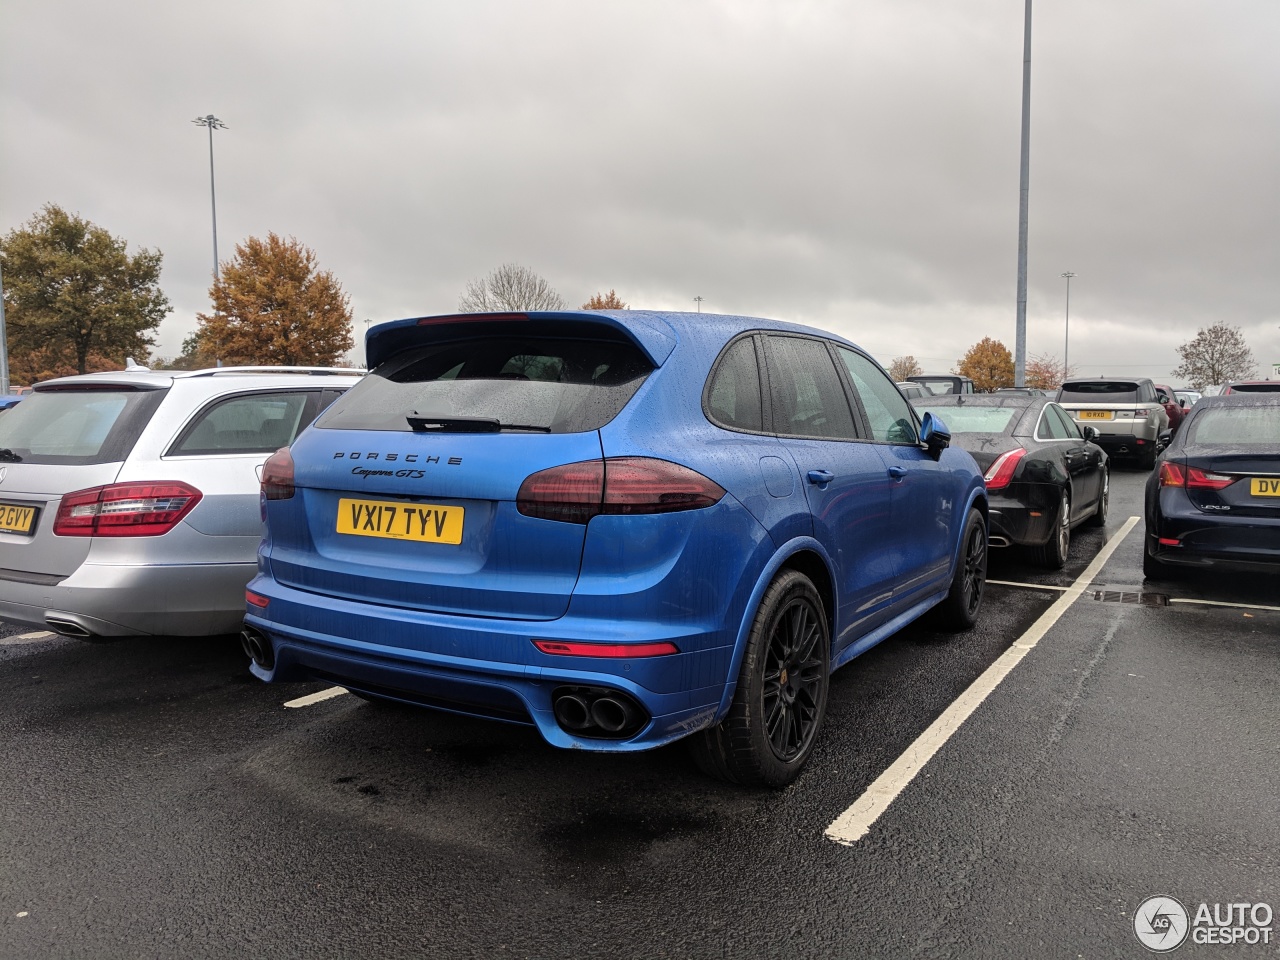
point(118, 600)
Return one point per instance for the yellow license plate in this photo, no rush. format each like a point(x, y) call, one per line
point(16, 519)
point(1095, 414)
point(424, 522)
point(1264, 486)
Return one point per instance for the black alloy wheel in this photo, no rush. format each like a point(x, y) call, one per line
point(1053, 554)
point(781, 697)
point(1099, 516)
point(959, 611)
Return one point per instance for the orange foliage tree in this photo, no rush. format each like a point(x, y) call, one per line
point(903, 367)
point(602, 301)
point(989, 364)
point(271, 305)
point(1046, 372)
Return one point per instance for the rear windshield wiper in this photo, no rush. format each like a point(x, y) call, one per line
point(8, 456)
point(467, 425)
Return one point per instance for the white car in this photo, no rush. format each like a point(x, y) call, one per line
point(129, 501)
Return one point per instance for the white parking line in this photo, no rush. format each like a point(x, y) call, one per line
point(28, 637)
point(1027, 586)
point(311, 698)
point(1223, 603)
point(852, 825)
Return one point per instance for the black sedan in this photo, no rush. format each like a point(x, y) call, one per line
point(1215, 499)
point(1043, 476)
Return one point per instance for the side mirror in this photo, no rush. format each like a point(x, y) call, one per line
point(934, 434)
point(1165, 438)
point(1183, 403)
point(1091, 433)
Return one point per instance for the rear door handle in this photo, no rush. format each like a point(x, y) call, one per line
point(821, 477)
point(897, 472)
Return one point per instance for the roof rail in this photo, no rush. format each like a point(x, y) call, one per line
point(216, 371)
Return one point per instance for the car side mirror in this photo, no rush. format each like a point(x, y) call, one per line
point(934, 434)
point(1165, 438)
point(1091, 433)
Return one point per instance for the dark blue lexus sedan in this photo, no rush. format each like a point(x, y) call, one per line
point(623, 528)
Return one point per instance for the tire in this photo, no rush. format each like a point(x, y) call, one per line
point(1153, 569)
point(781, 697)
point(959, 611)
point(1054, 553)
point(1099, 516)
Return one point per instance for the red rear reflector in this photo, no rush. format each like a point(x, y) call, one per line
point(124, 510)
point(1207, 481)
point(571, 648)
point(1171, 475)
point(1166, 542)
point(256, 599)
point(1001, 472)
point(576, 492)
point(277, 475)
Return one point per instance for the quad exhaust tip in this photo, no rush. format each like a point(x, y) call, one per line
point(257, 647)
point(598, 712)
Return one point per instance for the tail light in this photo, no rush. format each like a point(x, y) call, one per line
point(277, 475)
point(1172, 475)
point(1203, 480)
point(576, 492)
point(124, 510)
point(1142, 413)
point(1001, 472)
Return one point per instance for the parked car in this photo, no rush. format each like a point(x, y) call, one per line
point(622, 528)
point(1022, 391)
point(1187, 398)
point(1215, 501)
point(10, 400)
point(942, 383)
point(129, 500)
point(1126, 413)
point(1044, 476)
point(1252, 386)
point(913, 391)
point(1169, 400)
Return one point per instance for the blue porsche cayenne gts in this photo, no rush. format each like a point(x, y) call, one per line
point(622, 528)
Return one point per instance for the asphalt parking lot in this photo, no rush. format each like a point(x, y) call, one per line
point(160, 802)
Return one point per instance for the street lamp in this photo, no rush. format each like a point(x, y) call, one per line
point(698, 301)
point(1066, 340)
point(213, 123)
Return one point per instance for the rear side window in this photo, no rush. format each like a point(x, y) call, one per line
point(547, 385)
point(733, 397)
point(70, 426)
point(1100, 391)
point(256, 423)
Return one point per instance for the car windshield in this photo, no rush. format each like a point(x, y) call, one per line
point(976, 419)
point(75, 426)
point(1231, 426)
point(543, 384)
point(1099, 391)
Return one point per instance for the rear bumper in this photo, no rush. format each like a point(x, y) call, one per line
point(1127, 444)
point(1222, 542)
point(119, 600)
point(1026, 517)
point(490, 667)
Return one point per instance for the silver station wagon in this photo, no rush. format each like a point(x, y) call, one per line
point(129, 501)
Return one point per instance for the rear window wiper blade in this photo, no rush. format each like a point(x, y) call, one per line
point(467, 425)
point(8, 456)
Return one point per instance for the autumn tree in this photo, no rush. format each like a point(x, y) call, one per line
point(605, 301)
point(903, 367)
point(1046, 372)
point(989, 364)
point(75, 300)
point(1218, 354)
point(271, 305)
point(510, 287)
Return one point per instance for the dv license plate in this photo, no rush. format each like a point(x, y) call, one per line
point(1264, 486)
point(15, 518)
point(1095, 414)
point(424, 522)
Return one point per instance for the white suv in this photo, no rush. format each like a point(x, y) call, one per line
point(129, 501)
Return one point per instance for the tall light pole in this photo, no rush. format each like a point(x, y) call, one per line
point(213, 123)
point(4, 346)
point(1020, 338)
point(698, 301)
point(1066, 338)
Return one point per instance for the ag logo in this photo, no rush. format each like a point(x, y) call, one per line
point(1160, 924)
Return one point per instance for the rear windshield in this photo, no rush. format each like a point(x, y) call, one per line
point(544, 385)
point(974, 419)
point(76, 426)
point(1099, 391)
point(1234, 426)
point(1271, 387)
point(940, 386)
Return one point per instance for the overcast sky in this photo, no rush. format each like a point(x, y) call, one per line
point(850, 164)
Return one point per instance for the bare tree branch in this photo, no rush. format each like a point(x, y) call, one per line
point(510, 287)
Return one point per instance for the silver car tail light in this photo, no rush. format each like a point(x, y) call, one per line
point(125, 510)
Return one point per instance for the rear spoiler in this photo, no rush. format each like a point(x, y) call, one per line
point(652, 335)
